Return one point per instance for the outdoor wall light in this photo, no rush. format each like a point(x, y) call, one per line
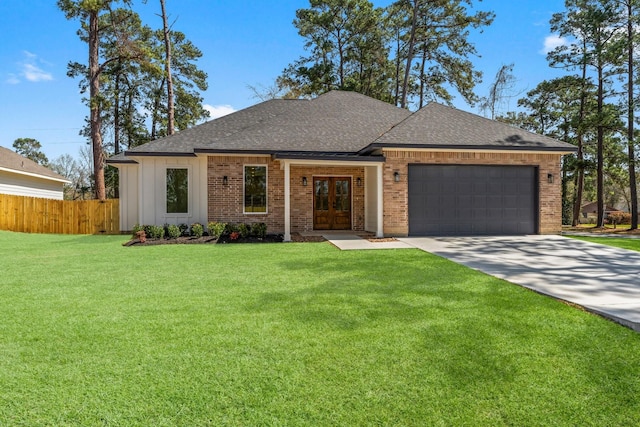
point(304, 181)
point(550, 178)
point(359, 182)
point(225, 180)
point(396, 176)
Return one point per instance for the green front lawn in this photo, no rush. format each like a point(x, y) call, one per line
point(629, 243)
point(93, 333)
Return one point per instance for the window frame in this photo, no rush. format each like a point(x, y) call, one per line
point(266, 188)
point(189, 191)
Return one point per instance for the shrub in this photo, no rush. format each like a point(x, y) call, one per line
point(619, 217)
point(259, 229)
point(184, 229)
point(173, 231)
point(216, 229)
point(244, 230)
point(231, 228)
point(148, 230)
point(155, 232)
point(197, 230)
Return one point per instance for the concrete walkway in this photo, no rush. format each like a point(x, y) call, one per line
point(602, 279)
point(351, 242)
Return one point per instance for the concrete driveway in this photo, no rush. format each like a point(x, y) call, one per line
point(603, 279)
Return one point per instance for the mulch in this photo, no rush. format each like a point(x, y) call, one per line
point(269, 238)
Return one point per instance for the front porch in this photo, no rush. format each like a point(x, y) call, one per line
point(329, 195)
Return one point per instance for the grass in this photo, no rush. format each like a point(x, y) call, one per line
point(93, 333)
point(628, 243)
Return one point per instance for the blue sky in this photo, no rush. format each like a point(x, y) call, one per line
point(244, 42)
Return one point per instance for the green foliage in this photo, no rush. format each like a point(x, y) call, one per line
point(184, 229)
point(173, 231)
point(244, 230)
point(231, 228)
point(148, 229)
point(30, 148)
point(259, 229)
point(133, 94)
point(197, 230)
point(349, 49)
point(137, 228)
point(216, 228)
point(155, 232)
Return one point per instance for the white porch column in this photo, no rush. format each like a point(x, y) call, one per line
point(287, 201)
point(380, 204)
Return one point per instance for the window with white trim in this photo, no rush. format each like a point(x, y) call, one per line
point(255, 189)
point(177, 190)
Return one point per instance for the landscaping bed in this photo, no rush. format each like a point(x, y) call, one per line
point(190, 240)
point(608, 229)
point(216, 232)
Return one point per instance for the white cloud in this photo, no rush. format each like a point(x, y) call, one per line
point(35, 74)
point(29, 69)
point(553, 41)
point(216, 111)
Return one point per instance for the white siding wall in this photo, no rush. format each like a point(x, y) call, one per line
point(24, 185)
point(370, 199)
point(152, 202)
point(128, 178)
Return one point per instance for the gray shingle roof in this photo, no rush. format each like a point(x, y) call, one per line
point(439, 126)
point(342, 122)
point(333, 122)
point(15, 162)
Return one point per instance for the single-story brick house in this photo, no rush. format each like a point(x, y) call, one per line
point(344, 161)
point(20, 176)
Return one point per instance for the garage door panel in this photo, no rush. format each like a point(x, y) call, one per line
point(472, 200)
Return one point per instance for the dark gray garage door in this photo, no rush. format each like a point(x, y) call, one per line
point(472, 200)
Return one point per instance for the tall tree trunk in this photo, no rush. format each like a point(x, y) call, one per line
point(156, 110)
point(167, 71)
point(580, 154)
point(116, 114)
point(412, 41)
point(341, 62)
point(630, 118)
point(94, 117)
point(396, 97)
point(422, 83)
point(600, 142)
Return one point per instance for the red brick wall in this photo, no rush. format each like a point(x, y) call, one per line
point(225, 202)
point(396, 217)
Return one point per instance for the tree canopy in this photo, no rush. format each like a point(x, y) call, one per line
point(351, 43)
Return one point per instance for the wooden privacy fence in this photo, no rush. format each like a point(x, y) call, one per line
point(36, 215)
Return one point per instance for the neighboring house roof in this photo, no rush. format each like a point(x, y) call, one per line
point(13, 162)
point(592, 207)
point(341, 123)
